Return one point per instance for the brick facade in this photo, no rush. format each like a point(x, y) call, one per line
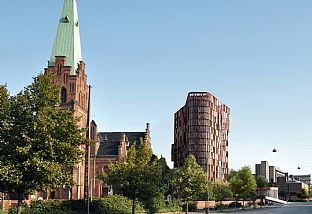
point(111, 147)
point(201, 128)
point(74, 95)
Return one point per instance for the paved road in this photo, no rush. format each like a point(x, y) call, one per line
point(296, 208)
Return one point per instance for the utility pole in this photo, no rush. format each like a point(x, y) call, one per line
point(87, 161)
point(207, 170)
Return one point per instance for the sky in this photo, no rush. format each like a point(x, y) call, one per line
point(144, 56)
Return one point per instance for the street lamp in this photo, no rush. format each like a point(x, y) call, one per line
point(236, 197)
point(207, 170)
point(304, 166)
point(274, 149)
point(87, 185)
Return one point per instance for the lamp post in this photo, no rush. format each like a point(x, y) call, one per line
point(207, 170)
point(304, 166)
point(207, 207)
point(274, 148)
point(236, 197)
point(87, 185)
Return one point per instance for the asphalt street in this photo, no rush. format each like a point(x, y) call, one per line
point(295, 208)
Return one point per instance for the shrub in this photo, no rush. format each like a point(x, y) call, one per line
point(220, 207)
point(51, 207)
point(163, 206)
point(235, 204)
point(159, 205)
point(115, 204)
point(191, 206)
point(171, 206)
point(250, 204)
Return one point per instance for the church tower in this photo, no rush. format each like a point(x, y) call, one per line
point(68, 69)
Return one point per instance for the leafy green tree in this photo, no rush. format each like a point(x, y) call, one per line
point(243, 183)
point(165, 176)
point(231, 174)
point(221, 191)
point(190, 181)
point(261, 181)
point(137, 176)
point(303, 194)
point(38, 139)
point(6, 171)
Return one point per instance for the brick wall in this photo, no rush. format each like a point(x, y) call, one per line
point(74, 95)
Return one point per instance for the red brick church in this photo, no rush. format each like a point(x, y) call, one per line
point(67, 66)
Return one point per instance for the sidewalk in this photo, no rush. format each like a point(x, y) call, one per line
point(230, 210)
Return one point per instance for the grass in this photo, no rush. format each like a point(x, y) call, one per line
point(3, 212)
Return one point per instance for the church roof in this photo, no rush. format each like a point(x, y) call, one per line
point(109, 141)
point(67, 40)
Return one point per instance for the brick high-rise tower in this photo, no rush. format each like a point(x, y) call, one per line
point(68, 68)
point(201, 128)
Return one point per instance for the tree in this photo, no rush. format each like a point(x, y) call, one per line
point(261, 181)
point(221, 191)
point(243, 182)
point(231, 174)
point(165, 176)
point(7, 172)
point(303, 194)
point(38, 139)
point(189, 181)
point(137, 176)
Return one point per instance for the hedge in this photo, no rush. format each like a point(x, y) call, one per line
point(116, 204)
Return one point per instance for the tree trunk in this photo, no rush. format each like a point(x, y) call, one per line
point(47, 196)
point(133, 203)
point(19, 204)
point(186, 211)
point(220, 204)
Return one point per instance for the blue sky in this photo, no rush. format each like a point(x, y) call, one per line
point(144, 56)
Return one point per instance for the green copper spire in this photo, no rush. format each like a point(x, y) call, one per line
point(67, 41)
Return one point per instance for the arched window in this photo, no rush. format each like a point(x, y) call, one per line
point(87, 101)
point(65, 78)
point(105, 169)
point(82, 101)
point(72, 87)
point(63, 95)
point(59, 69)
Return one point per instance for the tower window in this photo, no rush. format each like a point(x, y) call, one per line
point(65, 78)
point(59, 69)
point(82, 101)
point(63, 95)
point(72, 87)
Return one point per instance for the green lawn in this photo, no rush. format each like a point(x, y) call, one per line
point(3, 212)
